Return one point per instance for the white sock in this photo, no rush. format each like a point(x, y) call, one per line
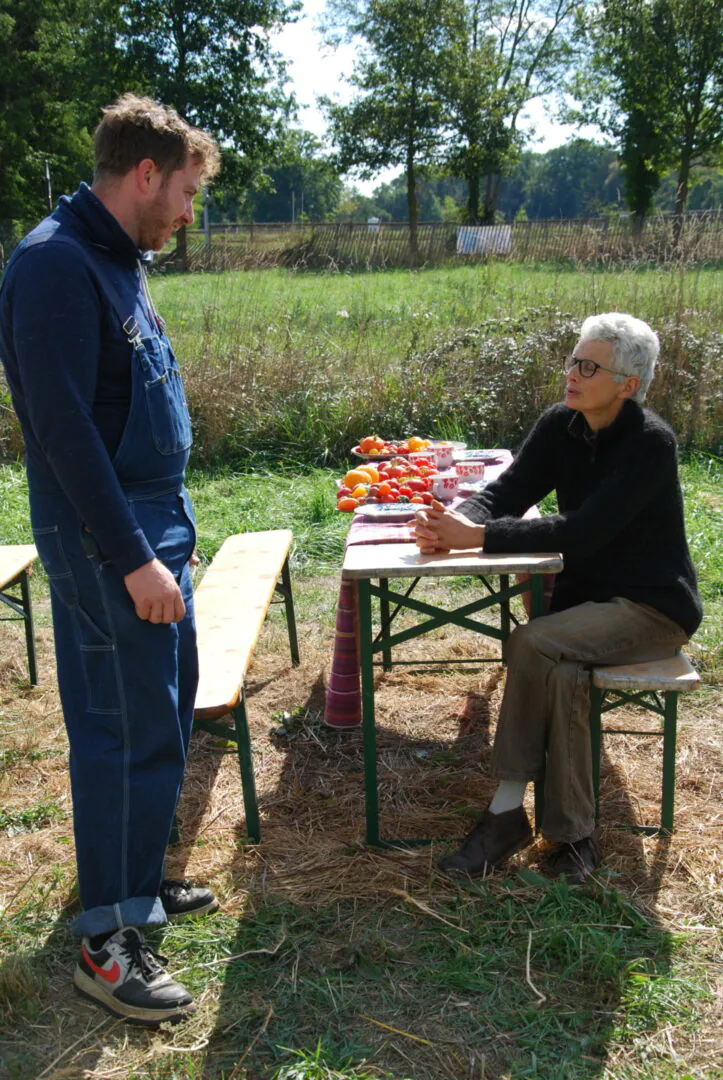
point(509, 796)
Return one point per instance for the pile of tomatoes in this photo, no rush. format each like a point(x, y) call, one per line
point(394, 481)
point(373, 444)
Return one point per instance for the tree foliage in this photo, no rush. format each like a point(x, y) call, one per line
point(396, 117)
point(655, 82)
point(505, 53)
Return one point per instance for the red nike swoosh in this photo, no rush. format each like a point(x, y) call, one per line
point(109, 976)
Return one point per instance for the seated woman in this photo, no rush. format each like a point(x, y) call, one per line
point(627, 593)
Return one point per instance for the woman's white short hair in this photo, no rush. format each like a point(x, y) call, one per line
point(635, 346)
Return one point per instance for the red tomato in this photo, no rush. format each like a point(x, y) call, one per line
point(417, 499)
point(387, 498)
point(422, 463)
point(395, 471)
point(417, 485)
point(412, 470)
point(342, 491)
point(427, 498)
point(404, 490)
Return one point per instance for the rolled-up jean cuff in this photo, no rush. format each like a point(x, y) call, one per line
point(137, 911)
point(510, 774)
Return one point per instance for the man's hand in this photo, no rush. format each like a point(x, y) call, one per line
point(154, 592)
point(438, 529)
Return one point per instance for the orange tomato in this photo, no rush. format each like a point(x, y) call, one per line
point(372, 470)
point(347, 503)
point(355, 477)
point(366, 444)
point(384, 488)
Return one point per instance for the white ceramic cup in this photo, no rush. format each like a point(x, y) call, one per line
point(445, 486)
point(471, 471)
point(429, 455)
point(445, 455)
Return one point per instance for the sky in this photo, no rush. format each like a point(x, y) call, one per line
point(315, 69)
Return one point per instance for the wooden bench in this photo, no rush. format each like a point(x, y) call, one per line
point(231, 604)
point(16, 562)
point(643, 685)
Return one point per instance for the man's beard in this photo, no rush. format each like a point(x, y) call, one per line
point(154, 227)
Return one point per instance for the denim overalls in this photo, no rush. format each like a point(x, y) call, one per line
point(127, 686)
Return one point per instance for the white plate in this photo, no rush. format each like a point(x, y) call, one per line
point(478, 455)
point(386, 511)
point(465, 488)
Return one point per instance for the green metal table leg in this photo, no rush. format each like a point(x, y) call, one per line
point(669, 738)
point(290, 616)
point(29, 629)
point(368, 721)
point(505, 608)
point(384, 612)
point(596, 702)
point(248, 784)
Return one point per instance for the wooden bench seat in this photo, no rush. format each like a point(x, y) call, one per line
point(16, 561)
point(231, 604)
point(643, 685)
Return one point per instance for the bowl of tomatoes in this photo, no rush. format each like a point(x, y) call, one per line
point(385, 483)
point(374, 448)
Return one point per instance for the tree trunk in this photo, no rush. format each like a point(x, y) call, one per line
point(181, 255)
point(491, 193)
point(473, 181)
point(681, 195)
point(412, 206)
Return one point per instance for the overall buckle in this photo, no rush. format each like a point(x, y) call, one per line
point(132, 331)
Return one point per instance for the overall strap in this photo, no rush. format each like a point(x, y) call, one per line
point(128, 322)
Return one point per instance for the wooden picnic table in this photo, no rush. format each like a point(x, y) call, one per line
point(365, 564)
point(16, 562)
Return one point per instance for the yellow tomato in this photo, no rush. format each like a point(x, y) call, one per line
point(360, 491)
point(372, 471)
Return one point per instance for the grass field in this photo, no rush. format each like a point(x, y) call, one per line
point(332, 962)
point(285, 367)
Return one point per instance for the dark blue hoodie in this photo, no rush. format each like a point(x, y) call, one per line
point(68, 365)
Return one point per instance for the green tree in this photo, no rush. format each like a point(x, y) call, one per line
point(504, 54)
point(58, 63)
point(396, 117)
point(213, 61)
point(655, 81)
point(299, 177)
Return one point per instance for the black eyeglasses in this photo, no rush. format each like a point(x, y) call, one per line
point(587, 368)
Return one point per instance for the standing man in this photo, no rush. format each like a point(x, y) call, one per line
point(107, 435)
point(627, 593)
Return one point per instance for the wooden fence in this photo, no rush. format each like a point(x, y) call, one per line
point(695, 237)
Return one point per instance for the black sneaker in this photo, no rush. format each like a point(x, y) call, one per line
point(127, 978)
point(183, 900)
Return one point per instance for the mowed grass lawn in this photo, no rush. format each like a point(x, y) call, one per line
point(329, 960)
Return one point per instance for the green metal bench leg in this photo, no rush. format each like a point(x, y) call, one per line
point(285, 589)
point(248, 784)
point(596, 701)
point(669, 739)
point(368, 719)
point(504, 608)
point(29, 629)
point(384, 611)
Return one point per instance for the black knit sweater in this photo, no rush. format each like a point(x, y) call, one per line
point(620, 524)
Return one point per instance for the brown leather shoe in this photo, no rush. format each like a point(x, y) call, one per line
point(493, 839)
point(575, 861)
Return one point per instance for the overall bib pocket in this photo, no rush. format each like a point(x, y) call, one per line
point(165, 399)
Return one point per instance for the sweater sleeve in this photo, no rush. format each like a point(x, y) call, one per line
point(529, 478)
point(643, 466)
point(57, 322)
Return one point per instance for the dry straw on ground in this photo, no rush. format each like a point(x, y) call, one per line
point(434, 727)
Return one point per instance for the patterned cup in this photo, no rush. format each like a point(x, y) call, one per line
point(445, 486)
point(470, 471)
